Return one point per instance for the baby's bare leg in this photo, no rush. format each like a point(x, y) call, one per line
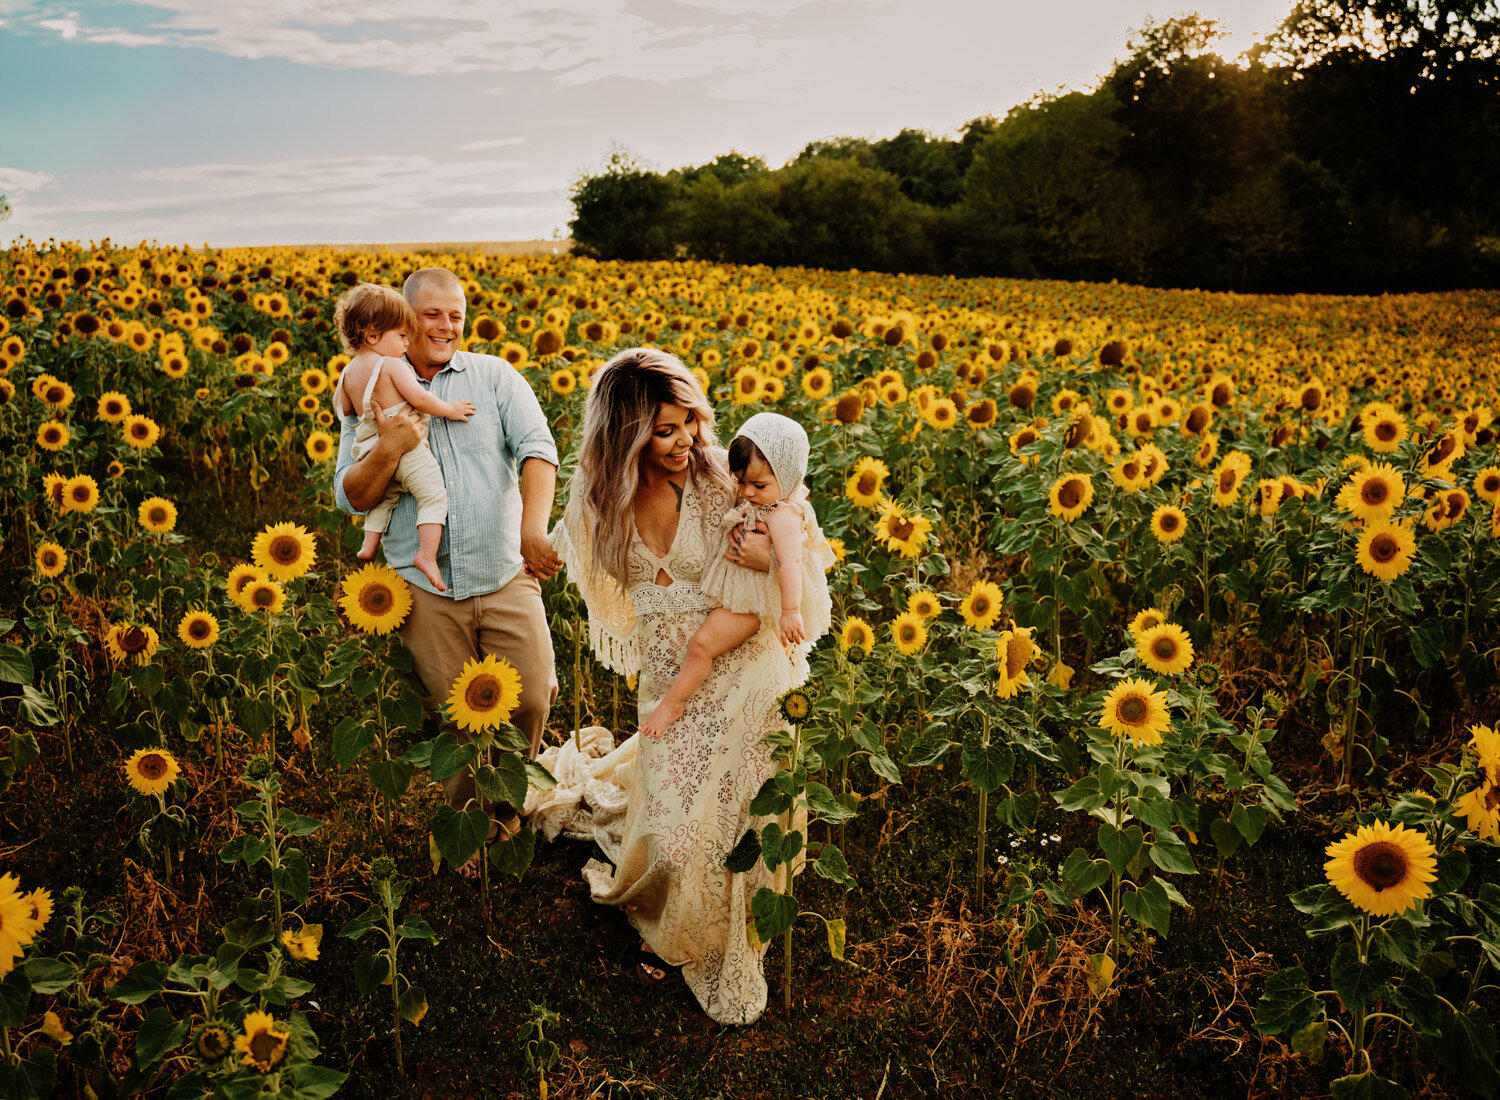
point(720, 632)
point(367, 548)
point(429, 535)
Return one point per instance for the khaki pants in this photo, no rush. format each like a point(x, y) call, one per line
point(510, 622)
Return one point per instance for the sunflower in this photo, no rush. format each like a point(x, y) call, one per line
point(198, 630)
point(1198, 419)
point(1438, 458)
point(981, 606)
point(1071, 495)
point(39, 901)
point(1487, 484)
point(131, 641)
point(263, 1044)
point(151, 771)
point(141, 431)
point(314, 381)
point(210, 1041)
point(908, 632)
point(52, 435)
point(320, 446)
point(57, 395)
point(942, 414)
point(563, 381)
point(285, 551)
point(1132, 709)
point(376, 599)
point(1447, 509)
point(1144, 621)
point(903, 531)
point(1383, 429)
point(263, 594)
point(157, 515)
point(1022, 438)
point(866, 482)
point(113, 407)
point(1130, 474)
point(1481, 807)
point(849, 408)
point(485, 694)
point(1373, 493)
point(238, 582)
point(1206, 451)
point(1165, 649)
point(1014, 651)
point(303, 945)
point(1227, 478)
point(15, 922)
point(1385, 550)
point(1384, 869)
point(749, 386)
point(856, 633)
point(795, 706)
point(923, 603)
point(817, 383)
point(1169, 523)
point(51, 559)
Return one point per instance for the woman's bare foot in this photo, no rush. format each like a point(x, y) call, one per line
point(429, 570)
point(367, 549)
point(666, 712)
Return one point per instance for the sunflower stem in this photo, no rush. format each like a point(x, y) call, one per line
point(1351, 707)
point(390, 932)
point(984, 821)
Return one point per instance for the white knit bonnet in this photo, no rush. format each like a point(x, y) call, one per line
point(785, 446)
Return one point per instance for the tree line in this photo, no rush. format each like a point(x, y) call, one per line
point(1356, 150)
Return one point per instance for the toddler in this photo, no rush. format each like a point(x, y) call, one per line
point(374, 324)
point(768, 458)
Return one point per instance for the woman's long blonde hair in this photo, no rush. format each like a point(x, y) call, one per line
point(624, 397)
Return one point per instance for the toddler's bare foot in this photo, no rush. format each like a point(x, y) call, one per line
point(666, 712)
point(367, 549)
point(429, 570)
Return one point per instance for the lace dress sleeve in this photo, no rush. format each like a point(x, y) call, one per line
point(611, 615)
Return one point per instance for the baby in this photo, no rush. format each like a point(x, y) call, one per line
point(374, 324)
point(768, 458)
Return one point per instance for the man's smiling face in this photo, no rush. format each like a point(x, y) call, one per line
point(440, 317)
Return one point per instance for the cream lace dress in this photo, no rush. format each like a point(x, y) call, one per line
point(686, 796)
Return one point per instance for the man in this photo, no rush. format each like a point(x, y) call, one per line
point(500, 470)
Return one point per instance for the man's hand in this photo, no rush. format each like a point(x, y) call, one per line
point(365, 481)
point(536, 551)
point(752, 549)
point(398, 434)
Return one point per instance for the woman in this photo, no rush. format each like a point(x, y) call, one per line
point(641, 525)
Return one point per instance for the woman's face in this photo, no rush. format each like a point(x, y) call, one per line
point(672, 436)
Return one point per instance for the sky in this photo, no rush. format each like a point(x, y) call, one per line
point(364, 121)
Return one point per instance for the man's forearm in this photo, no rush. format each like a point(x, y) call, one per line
point(538, 487)
point(365, 481)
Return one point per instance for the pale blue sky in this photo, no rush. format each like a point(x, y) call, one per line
point(290, 121)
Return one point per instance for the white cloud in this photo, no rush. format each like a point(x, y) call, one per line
point(18, 181)
point(312, 199)
point(497, 143)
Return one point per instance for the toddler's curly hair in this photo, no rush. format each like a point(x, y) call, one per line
point(370, 309)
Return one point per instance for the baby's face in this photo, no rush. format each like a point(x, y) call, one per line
point(392, 344)
point(758, 484)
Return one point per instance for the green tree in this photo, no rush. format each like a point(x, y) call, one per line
point(623, 212)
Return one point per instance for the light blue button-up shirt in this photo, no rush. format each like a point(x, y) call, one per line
point(481, 461)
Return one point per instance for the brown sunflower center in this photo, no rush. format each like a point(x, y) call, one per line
point(157, 514)
point(1374, 492)
point(50, 559)
point(1221, 394)
point(1384, 548)
point(1441, 452)
point(1491, 484)
point(52, 434)
point(1143, 421)
point(1227, 480)
point(1381, 865)
point(1131, 470)
point(866, 484)
point(1385, 431)
point(198, 629)
point(133, 639)
point(483, 693)
point(908, 633)
point(1132, 710)
point(265, 1047)
point(1312, 397)
point(376, 599)
point(1025, 438)
point(902, 529)
point(213, 1044)
point(81, 493)
point(139, 431)
point(1022, 397)
point(1164, 649)
point(55, 394)
point(980, 606)
point(152, 766)
point(1169, 522)
point(849, 409)
point(284, 550)
point(1071, 494)
point(263, 595)
point(1197, 420)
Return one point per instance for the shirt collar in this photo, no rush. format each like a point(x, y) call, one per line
point(453, 364)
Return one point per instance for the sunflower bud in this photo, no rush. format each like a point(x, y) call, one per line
point(856, 655)
point(382, 869)
point(258, 769)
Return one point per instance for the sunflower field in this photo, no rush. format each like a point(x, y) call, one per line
point(1157, 745)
